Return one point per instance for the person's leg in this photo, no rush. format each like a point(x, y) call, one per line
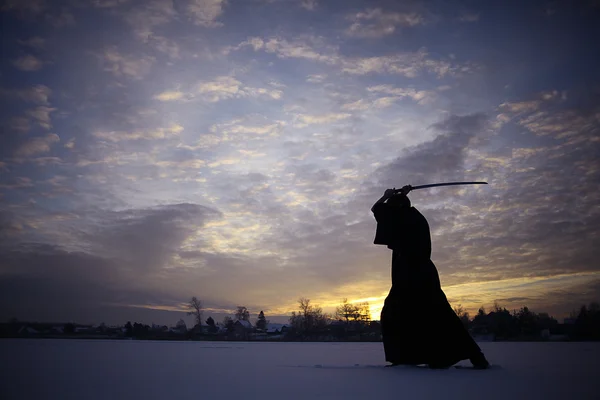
point(450, 342)
point(479, 361)
point(465, 345)
point(400, 343)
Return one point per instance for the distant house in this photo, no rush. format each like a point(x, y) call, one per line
point(27, 330)
point(206, 329)
point(84, 329)
point(58, 329)
point(243, 324)
point(276, 329)
point(159, 328)
point(242, 329)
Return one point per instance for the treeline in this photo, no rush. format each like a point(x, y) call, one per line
point(350, 321)
point(196, 310)
point(524, 324)
point(586, 325)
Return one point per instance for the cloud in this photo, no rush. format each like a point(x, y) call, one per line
point(442, 159)
point(223, 87)
point(244, 130)
point(296, 49)
point(206, 12)
point(37, 145)
point(560, 124)
point(363, 105)
point(219, 89)
point(108, 3)
point(65, 18)
point(34, 42)
point(316, 78)
point(131, 245)
point(469, 17)
point(41, 115)
point(375, 23)
point(150, 134)
point(408, 64)
point(165, 45)
point(310, 5)
point(541, 116)
point(148, 15)
point(146, 239)
point(37, 94)
point(522, 106)
point(19, 124)
point(145, 18)
point(125, 65)
point(70, 144)
point(255, 42)
point(28, 63)
point(419, 96)
point(30, 6)
point(238, 133)
point(19, 182)
point(358, 105)
point(170, 95)
point(303, 120)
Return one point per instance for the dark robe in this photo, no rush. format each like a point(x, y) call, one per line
point(418, 324)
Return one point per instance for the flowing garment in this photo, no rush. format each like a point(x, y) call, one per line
point(418, 324)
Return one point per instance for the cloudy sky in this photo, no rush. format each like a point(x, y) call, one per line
point(231, 150)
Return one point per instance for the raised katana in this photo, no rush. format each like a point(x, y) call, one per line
point(409, 187)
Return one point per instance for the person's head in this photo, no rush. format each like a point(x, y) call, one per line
point(399, 200)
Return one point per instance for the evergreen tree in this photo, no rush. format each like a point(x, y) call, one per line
point(212, 328)
point(262, 321)
point(128, 329)
point(228, 324)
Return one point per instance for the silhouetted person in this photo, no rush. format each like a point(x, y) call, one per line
point(417, 322)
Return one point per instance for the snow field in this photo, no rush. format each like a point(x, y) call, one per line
point(121, 369)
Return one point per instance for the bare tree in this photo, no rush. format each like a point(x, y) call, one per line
point(353, 312)
point(306, 312)
point(364, 311)
point(345, 310)
point(309, 317)
point(459, 310)
point(463, 315)
point(296, 321)
point(195, 307)
point(242, 314)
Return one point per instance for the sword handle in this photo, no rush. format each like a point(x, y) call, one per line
point(404, 190)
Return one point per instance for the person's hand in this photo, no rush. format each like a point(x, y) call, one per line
point(405, 189)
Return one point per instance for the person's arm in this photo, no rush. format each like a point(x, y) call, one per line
point(386, 195)
point(389, 193)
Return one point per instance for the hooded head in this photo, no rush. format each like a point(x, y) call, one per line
point(399, 200)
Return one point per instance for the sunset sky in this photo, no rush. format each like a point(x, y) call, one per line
point(155, 150)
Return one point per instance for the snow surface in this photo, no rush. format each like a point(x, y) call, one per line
point(105, 369)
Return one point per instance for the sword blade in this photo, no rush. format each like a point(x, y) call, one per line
point(447, 184)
